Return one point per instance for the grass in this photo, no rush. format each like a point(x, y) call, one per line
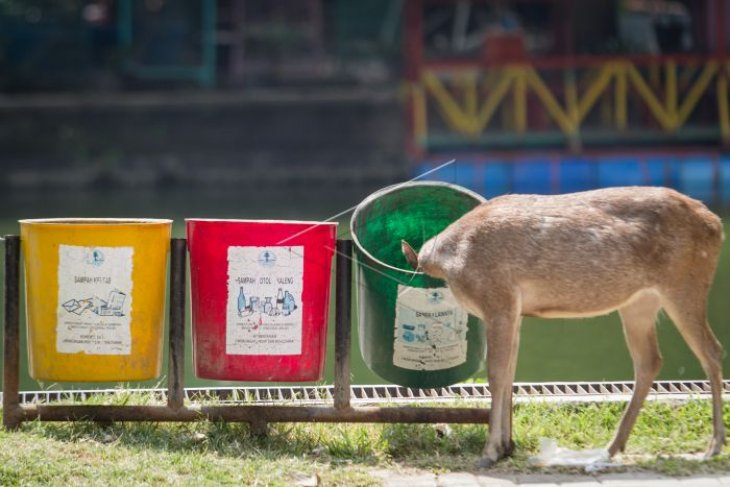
point(212, 453)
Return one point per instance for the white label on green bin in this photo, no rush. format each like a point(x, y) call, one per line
point(264, 308)
point(94, 300)
point(430, 329)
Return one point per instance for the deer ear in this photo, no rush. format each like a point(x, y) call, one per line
point(409, 253)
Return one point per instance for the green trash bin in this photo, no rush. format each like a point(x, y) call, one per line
point(412, 331)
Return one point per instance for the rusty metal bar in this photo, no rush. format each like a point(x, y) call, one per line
point(12, 415)
point(253, 414)
point(176, 357)
point(343, 325)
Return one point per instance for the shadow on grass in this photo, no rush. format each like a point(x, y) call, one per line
point(414, 445)
point(663, 433)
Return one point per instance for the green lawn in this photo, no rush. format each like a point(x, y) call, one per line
point(219, 453)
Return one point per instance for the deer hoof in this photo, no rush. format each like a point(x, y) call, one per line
point(486, 463)
point(714, 449)
point(509, 449)
point(615, 448)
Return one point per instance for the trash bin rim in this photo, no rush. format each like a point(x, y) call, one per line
point(95, 221)
point(237, 220)
point(392, 189)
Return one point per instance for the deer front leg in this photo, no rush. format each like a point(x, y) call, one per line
point(507, 402)
point(502, 343)
point(638, 319)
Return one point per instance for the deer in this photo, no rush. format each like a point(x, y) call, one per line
point(635, 250)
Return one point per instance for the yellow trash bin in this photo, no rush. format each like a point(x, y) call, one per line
point(95, 294)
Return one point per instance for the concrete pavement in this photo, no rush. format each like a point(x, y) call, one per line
point(467, 479)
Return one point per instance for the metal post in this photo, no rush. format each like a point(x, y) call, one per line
point(720, 34)
point(124, 25)
point(176, 358)
point(209, 43)
point(413, 58)
point(12, 415)
point(343, 310)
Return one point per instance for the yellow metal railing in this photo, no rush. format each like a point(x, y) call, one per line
point(468, 99)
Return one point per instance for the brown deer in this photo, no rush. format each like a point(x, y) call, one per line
point(633, 249)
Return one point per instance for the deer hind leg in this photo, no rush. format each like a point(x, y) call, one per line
point(639, 324)
point(688, 310)
point(502, 342)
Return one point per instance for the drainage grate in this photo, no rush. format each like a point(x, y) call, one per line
point(382, 394)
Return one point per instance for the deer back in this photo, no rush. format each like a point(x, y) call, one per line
point(575, 253)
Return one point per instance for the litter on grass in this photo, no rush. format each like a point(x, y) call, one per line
point(551, 455)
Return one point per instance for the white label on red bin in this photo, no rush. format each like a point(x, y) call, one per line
point(430, 329)
point(264, 306)
point(94, 300)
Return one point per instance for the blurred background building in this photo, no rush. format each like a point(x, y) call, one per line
point(540, 96)
point(298, 109)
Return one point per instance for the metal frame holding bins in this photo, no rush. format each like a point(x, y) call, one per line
point(14, 413)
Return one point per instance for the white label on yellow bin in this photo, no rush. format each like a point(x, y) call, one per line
point(264, 308)
point(94, 300)
point(430, 329)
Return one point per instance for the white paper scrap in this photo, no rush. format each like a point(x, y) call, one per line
point(551, 455)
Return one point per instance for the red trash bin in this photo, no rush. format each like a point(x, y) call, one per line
point(260, 298)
